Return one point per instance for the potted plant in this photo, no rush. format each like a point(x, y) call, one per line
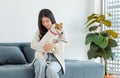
point(101, 41)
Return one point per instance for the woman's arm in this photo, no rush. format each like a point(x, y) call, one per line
point(35, 44)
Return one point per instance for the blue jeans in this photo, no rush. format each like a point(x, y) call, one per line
point(52, 69)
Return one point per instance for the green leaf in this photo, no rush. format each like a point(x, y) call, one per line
point(92, 53)
point(105, 34)
point(105, 53)
point(91, 16)
point(112, 33)
point(97, 39)
point(100, 52)
point(91, 22)
point(90, 38)
point(93, 28)
point(102, 17)
point(93, 46)
point(101, 41)
point(112, 43)
point(106, 23)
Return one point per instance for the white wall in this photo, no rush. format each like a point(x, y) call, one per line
point(19, 18)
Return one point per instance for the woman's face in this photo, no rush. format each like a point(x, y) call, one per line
point(46, 22)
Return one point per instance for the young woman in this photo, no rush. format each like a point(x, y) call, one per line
point(49, 67)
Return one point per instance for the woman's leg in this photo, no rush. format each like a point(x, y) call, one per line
point(39, 69)
point(53, 69)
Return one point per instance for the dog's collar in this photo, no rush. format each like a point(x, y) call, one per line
point(53, 32)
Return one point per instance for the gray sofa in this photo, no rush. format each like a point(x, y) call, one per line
point(15, 56)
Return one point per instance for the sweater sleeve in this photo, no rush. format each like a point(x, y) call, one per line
point(35, 44)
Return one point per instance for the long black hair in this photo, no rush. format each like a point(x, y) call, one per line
point(45, 13)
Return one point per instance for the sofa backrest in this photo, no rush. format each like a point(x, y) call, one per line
point(25, 48)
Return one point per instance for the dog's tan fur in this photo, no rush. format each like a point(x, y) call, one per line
point(58, 25)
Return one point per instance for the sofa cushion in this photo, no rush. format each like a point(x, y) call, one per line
point(16, 71)
point(28, 52)
point(83, 69)
point(11, 55)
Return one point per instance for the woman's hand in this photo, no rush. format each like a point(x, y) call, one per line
point(48, 47)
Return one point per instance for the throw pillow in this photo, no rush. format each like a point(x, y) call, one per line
point(11, 55)
point(28, 52)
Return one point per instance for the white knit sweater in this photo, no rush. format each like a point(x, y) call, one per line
point(38, 44)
